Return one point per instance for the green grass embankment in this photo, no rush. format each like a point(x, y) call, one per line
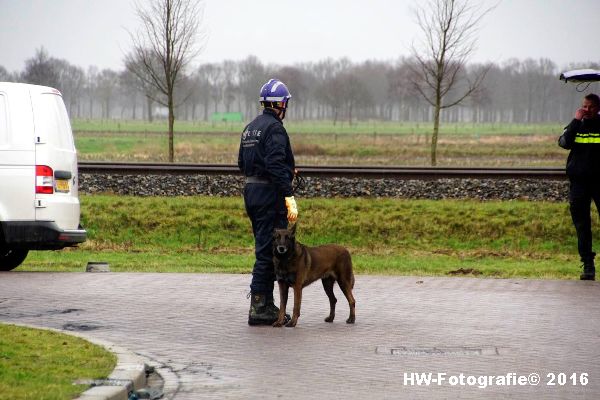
point(385, 236)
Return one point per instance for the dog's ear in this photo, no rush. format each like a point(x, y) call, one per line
point(293, 230)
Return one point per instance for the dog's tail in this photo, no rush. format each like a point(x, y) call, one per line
point(351, 270)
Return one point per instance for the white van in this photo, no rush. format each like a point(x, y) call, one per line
point(39, 203)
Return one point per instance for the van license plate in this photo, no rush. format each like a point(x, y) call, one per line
point(62, 185)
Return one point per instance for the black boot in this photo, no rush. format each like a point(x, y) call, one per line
point(589, 272)
point(262, 310)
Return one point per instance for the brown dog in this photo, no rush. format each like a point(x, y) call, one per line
point(298, 266)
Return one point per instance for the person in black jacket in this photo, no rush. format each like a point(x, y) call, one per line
point(266, 159)
point(582, 137)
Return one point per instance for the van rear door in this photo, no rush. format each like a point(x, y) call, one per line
point(56, 197)
point(17, 156)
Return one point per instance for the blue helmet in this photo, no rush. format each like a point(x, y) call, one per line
point(274, 94)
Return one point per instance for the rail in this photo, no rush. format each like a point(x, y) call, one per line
point(371, 172)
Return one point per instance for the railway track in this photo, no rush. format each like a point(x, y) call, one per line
point(372, 172)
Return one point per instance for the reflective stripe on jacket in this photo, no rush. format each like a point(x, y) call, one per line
point(583, 139)
point(587, 138)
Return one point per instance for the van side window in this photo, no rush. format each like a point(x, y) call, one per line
point(52, 122)
point(3, 121)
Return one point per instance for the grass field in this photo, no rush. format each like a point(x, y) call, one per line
point(321, 127)
point(411, 237)
point(393, 143)
point(39, 364)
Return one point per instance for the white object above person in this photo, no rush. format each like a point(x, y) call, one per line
point(581, 75)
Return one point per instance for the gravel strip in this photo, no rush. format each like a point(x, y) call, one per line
point(227, 185)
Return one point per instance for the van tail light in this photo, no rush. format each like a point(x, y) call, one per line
point(44, 179)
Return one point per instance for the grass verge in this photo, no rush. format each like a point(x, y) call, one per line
point(385, 236)
point(39, 364)
point(410, 264)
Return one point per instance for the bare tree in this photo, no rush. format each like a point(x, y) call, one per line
point(230, 75)
point(91, 87)
point(143, 81)
point(129, 91)
point(252, 75)
point(330, 87)
point(107, 85)
point(449, 28)
point(209, 75)
point(294, 78)
point(355, 93)
point(170, 34)
point(72, 81)
point(5, 75)
point(41, 69)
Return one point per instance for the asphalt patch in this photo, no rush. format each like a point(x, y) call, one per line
point(66, 311)
point(80, 327)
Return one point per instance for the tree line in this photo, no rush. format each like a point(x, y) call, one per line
point(513, 91)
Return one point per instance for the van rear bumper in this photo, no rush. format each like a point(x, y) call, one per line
point(40, 235)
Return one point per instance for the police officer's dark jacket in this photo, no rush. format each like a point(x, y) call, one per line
point(265, 152)
point(583, 139)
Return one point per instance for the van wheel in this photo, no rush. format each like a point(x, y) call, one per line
point(11, 258)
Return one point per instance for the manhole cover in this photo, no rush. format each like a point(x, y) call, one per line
point(439, 351)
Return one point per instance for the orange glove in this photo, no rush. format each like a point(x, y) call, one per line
point(292, 209)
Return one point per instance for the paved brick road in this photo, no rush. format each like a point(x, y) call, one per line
point(196, 324)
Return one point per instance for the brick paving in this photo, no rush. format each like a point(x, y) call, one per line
point(196, 325)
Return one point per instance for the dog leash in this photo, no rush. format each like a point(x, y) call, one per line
point(299, 182)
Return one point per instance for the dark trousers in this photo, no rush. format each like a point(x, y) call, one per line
point(266, 209)
point(581, 194)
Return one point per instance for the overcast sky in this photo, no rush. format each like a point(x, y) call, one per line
point(94, 32)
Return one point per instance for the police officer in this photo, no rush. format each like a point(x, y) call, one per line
point(266, 159)
point(582, 137)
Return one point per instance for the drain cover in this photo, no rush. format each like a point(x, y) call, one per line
point(439, 351)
